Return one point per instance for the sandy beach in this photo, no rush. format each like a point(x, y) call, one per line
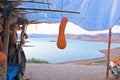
point(74, 70)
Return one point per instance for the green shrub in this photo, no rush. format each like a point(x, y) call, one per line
point(101, 61)
point(34, 60)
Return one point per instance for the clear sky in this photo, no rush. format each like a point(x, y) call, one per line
point(71, 28)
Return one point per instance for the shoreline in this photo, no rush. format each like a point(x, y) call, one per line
point(114, 53)
point(84, 62)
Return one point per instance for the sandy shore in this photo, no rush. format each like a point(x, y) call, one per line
point(74, 70)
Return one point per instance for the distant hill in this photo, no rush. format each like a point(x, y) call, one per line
point(40, 35)
point(96, 38)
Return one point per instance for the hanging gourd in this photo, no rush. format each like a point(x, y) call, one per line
point(2, 57)
point(23, 34)
point(61, 41)
point(15, 34)
point(1, 29)
point(22, 38)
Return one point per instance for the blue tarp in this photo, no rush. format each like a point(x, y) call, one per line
point(94, 14)
point(12, 70)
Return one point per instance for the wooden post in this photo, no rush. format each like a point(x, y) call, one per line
point(108, 54)
point(3, 66)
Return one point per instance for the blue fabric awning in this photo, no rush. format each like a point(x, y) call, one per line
point(94, 14)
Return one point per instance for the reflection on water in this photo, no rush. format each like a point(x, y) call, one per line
point(46, 49)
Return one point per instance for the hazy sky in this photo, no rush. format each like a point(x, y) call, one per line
point(71, 28)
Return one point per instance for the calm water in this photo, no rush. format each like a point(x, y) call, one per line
point(46, 49)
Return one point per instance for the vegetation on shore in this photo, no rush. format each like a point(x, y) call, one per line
point(113, 52)
point(101, 61)
point(34, 60)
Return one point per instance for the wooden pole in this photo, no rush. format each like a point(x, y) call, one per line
point(49, 10)
point(3, 66)
point(108, 54)
point(29, 2)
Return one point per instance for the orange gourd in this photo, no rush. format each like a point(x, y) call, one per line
point(2, 57)
point(1, 29)
point(61, 41)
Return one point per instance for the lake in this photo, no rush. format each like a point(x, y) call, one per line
point(46, 49)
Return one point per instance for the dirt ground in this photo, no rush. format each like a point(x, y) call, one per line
point(66, 72)
point(74, 70)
